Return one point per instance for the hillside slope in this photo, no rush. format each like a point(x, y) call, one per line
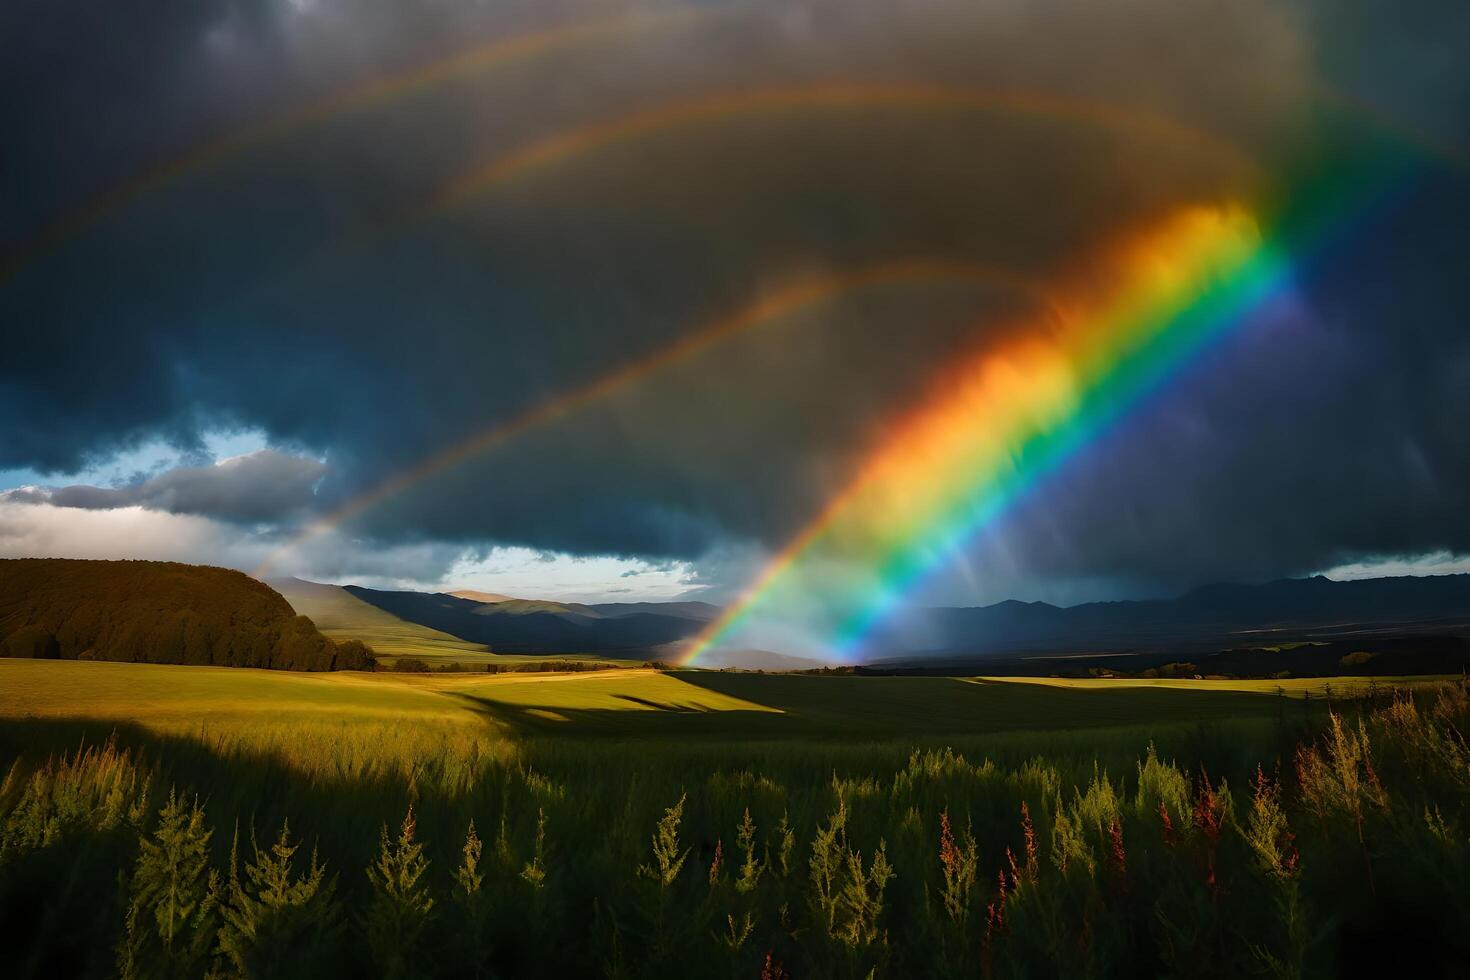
point(536, 626)
point(158, 612)
point(475, 595)
point(342, 616)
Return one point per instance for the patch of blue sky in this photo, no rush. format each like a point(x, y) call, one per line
point(142, 461)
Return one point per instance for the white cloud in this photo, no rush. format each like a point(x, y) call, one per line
point(1432, 563)
point(42, 530)
point(139, 462)
point(32, 527)
point(533, 574)
point(258, 486)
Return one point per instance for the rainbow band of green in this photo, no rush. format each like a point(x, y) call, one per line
point(1250, 286)
point(1320, 217)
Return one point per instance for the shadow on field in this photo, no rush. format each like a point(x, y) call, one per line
point(642, 718)
point(804, 706)
point(252, 790)
point(686, 709)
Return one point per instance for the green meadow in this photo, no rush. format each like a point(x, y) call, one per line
point(230, 822)
point(240, 706)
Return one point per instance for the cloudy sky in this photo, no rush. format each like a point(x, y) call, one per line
point(377, 291)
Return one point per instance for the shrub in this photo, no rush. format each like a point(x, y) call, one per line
point(398, 912)
point(860, 903)
point(410, 665)
point(469, 899)
point(353, 655)
point(534, 872)
point(170, 926)
point(1338, 775)
point(97, 789)
point(668, 859)
point(958, 863)
point(750, 868)
point(1267, 831)
point(1276, 858)
point(828, 847)
point(275, 923)
point(1162, 785)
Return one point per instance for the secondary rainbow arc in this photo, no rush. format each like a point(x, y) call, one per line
point(361, 96)
point(766, 309)
point(885, 96)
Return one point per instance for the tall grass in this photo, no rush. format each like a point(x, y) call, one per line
point(1284, 848)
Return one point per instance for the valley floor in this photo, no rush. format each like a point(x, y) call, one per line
point(633, 703)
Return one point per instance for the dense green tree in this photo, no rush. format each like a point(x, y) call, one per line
point(159, 612)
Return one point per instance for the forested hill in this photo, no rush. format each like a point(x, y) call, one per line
point(158, 612)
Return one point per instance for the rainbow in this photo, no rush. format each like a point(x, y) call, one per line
point(362, 96)
point(573, 143)
point(765, 309)
point(853, 95)
point(1007, 416)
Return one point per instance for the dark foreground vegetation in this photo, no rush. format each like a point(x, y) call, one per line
point(1317, 844)
point(161, 613)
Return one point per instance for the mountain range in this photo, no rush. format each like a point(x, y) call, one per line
point(539, 626)
point(1216, 616)
point(1210, 616)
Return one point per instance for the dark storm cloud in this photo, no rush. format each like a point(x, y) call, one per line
point(260, 486)
point(224, 297)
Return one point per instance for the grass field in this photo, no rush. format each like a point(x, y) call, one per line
point(568, 775)
point(630, 703)
point(448, 727)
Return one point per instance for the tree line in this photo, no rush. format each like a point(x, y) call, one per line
point(159, 612)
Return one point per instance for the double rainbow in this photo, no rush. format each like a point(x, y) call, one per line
point(1010, 412)
point(570, 144)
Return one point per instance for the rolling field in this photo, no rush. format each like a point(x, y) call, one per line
point(348, 725)
point(630, 703)
point(769, 779)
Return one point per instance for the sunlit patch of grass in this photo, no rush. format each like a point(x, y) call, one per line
point(1295, 687)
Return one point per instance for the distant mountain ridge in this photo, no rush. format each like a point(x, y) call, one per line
point(1209, 614)
point(541, 626)
point(1218, 615)
point(476, 596)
